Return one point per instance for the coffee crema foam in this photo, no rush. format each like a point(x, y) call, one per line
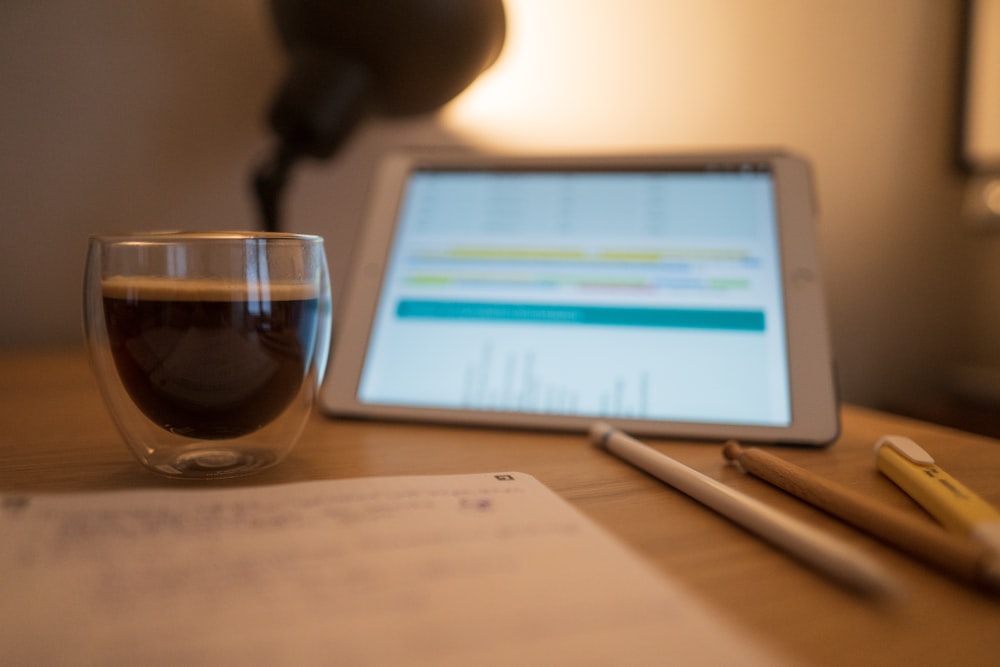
point(173, 289)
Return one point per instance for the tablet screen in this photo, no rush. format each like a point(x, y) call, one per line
point(619, 293)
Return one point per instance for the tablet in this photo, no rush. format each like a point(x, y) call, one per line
point(675, 295)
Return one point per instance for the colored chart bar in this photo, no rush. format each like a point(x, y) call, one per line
point(673, 318)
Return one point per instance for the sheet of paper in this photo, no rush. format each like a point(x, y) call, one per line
point(441, 570)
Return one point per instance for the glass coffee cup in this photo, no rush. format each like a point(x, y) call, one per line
point(209, 348)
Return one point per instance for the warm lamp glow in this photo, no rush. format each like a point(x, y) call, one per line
point(991, 196)
point(585, 74)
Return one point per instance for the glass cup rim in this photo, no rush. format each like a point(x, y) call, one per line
point(170, 237)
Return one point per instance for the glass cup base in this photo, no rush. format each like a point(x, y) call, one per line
point(214, 463)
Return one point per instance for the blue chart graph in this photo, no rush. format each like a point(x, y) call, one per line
point(675, 318)
point(508, 379)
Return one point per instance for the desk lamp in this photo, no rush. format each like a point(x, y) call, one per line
point(351, 58)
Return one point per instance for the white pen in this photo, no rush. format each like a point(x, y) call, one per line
point(832, 557)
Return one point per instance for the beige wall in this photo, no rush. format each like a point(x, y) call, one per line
point(117, 115)
point(146, 114)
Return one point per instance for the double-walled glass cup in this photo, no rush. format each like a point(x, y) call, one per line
point(209, 348)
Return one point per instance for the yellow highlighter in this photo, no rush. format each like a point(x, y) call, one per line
point(949, 501)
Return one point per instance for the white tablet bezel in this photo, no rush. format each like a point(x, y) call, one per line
point(814, 404)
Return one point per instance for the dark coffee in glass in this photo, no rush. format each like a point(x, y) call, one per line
point(207, 359)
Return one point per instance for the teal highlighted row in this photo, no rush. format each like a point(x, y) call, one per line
point(671, 318)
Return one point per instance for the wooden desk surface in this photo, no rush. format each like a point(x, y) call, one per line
point(55, 435)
